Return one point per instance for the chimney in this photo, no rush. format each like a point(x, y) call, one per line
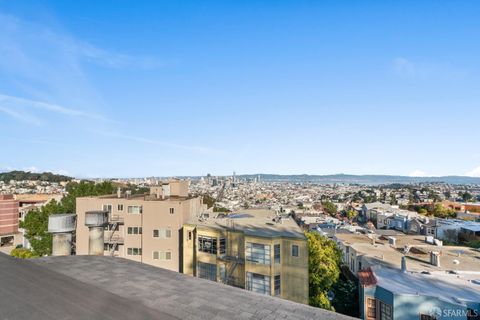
point(435, 258)
point(119, 192)
point(404, 264)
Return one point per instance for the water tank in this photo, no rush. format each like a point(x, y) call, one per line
point(62, 223)
point(96, 218)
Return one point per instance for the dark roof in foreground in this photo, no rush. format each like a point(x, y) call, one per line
point(90, 287)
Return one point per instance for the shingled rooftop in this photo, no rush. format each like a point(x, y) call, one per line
point(91, 287)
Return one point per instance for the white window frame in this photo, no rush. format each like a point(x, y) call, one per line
point(134, 206)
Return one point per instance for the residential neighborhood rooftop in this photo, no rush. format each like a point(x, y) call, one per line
point(448, 287)
point(255, 222)
point(452, 258)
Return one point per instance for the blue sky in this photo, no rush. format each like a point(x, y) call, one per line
point(130, 88)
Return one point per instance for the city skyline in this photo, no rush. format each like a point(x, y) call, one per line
point(172, 89)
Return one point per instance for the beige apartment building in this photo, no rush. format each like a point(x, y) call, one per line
point(144, 228)
point(257, 250)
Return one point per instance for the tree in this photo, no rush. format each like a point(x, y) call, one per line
point(346, 298)
point(441, 212)
point(22, 175)
point(330, 208)
point(23, 253)
point(423, 211)
point(393, 199)
point(36, 225)
point(467, 197)
point(36, 221)
point(208, 200)
point(324, 260)
point(351, 214)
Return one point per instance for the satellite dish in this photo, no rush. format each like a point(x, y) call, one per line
point(456, 262)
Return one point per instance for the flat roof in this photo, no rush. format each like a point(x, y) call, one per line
point(97, 287)
point(447, 287)
point(139, 197)
point(253, 222)
point(418, 258)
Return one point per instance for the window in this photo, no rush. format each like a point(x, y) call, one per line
point(189, 235)
point(134, 251)
point(258, 253)
point(371, 308)
point(207, 244)
point(162, 255)
point(222, 245)
point(162, 233)
point(294, 250)
point(277, 284)
point(120, 207)
point(276, 253)
point(207, 271)
point(172, 210)
point(107, 207)
point(385, 311)
point(134, 209)
point(258, 283)
point(134, 230)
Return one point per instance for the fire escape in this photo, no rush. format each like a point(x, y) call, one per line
point(113, 237)
point(232, 260)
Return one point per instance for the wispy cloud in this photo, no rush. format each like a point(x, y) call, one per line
point(417, 173)
point(43, 68)
point(156, 142)
point(410, 69)
point(22, 116)
point(404, 67)
point(10, 105)
point(113, 59)
point(474, 172)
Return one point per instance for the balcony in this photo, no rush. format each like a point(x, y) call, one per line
point(112, 237)
point(116, 218)
point(232, 256)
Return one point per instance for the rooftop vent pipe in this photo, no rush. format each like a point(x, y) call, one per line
point(96, 221)
point(435, 258)
point(62, 227)
point(404, 264)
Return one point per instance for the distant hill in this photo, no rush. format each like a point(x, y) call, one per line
point(362, 179)
point(22, 175)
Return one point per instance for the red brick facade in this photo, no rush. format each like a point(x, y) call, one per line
point(8, 215)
